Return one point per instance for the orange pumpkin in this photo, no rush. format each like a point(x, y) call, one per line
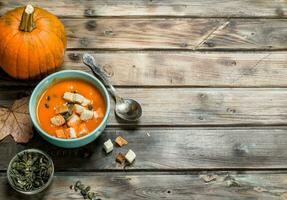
point(32, 42)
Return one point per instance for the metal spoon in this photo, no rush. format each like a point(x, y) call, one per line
point(126, 109)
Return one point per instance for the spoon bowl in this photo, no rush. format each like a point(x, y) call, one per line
point(128, 109)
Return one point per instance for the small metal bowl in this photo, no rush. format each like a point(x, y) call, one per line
point(39, 189)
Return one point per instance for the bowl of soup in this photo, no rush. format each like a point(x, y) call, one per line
point(70, 108)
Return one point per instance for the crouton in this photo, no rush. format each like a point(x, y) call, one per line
point(69, 96)
point(86, 115)
point(58, 120)
point(120, 158)
point(120, 141)
point(71, 133)
point(73, 97)
point(108, 146)
point(73, 120)
point(86, 102)
point(61, 109)
point(60, 134)
point(78, 109)
point(83, 129)
point(130, 156)
point(78, 98)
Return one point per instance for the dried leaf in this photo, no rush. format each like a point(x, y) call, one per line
point(16, 121)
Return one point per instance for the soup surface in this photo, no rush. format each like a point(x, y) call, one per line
point(70, 109)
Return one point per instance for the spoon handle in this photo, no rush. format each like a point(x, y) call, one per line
point(89, 60)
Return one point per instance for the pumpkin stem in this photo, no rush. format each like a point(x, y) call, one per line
point(27, 24)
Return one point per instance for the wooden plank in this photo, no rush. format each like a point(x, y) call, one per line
point(197, 8)
point(138, 33)
point(197, 106)
point(268, 185)
point(204, 69)
point(203, 106)
point(172, 68)
point(169, 149)
point(174, 33)
point(247, 34)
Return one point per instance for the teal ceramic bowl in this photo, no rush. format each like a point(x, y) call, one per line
point(49, 80)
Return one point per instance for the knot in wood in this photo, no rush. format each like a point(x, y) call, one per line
point(84, 42)
point(74, 56)
point(109, 33)
point(240, 149)
point(89, 12)
point(209, 44)
point(230, 110)
point(91, 25)
point(200, 118)
point(108, 70)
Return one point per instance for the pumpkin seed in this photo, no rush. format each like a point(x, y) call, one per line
point(30, 171)
point(84, 190)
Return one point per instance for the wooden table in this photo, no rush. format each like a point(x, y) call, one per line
point(211, 76)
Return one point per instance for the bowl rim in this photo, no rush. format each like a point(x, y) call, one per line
point(39, 189)
point(38, 88)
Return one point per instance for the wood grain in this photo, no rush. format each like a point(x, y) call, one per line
point(201, 106)
point(171, 68)
point(195, 8)
point(175, 33)
point(188, 69)
point(268, 185)
point(248, 34)
point(196, 106)
point(152, 33)
point(163, 53)
point(169, 149)
point(200, 69)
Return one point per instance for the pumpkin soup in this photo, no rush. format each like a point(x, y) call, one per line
point(70, 109)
